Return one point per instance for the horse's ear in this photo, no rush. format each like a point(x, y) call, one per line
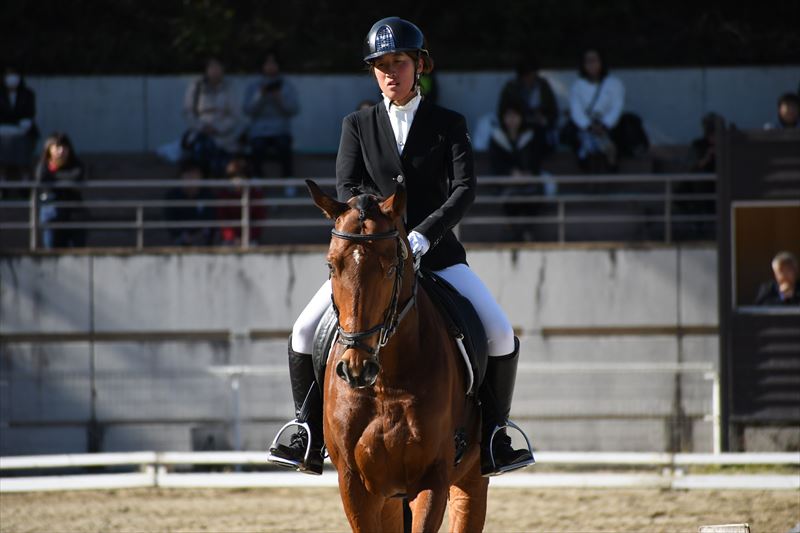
point(329, 205)
point(395, 206)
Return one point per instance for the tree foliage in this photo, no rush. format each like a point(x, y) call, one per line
point(169, 36)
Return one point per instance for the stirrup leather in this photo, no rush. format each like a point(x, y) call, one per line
point(516, 466)
point(289, 463)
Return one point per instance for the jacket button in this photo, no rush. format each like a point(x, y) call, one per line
point(400, 178)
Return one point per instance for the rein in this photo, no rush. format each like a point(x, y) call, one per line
point(391, 317)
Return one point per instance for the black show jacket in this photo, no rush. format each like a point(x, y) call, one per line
point(436, 167)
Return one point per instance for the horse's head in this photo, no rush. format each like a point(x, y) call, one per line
point(367, 260)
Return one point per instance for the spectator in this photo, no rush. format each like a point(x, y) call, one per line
point(598, 130)
point(511, 153)
point(511, 144)
point(540, 108)
point(788, 113)
point(238, 171)
point(702, 154)
point(59, 165)
point(701, 158)
point(783, 290)
point(211, 112)
point(18, 132)
point(188, 204)
point(270, 102)
point(596, 102)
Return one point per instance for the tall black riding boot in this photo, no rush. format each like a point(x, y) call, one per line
point(308, 409)
point(497, 454)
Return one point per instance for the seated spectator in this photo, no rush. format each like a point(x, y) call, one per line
point(189, 206)
point(702, 158)
point(211, 113)
point(702, 153)
point(783, 290)
point(598, 130)
point(59, 165)
point(540, 108)
point(238, 171)
point(18, 132)
point(270, 102)
point(788, 113)
point(511, 144)
point(511, 153)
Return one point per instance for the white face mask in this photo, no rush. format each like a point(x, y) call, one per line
point(12, 81)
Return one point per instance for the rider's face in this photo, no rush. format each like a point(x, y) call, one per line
point(395, 75)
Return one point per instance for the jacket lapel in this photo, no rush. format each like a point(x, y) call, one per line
point(416, 135)
point(387, 135)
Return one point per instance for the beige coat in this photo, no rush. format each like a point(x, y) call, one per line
point(204, 105)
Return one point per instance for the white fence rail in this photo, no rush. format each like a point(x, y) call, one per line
point(154, 471)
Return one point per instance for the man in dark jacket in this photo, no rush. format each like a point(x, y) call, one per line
point(783, 290)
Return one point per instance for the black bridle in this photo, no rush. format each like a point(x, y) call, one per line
point(391, 317)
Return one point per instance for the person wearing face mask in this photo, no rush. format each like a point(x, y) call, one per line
point(18, 132)
point(406, 141)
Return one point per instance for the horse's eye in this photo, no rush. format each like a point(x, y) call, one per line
point(390, 272)
point(330, 269)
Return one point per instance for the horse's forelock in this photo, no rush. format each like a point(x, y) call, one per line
point(366, 207)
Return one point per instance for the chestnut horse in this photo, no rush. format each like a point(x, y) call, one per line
point(395, 403)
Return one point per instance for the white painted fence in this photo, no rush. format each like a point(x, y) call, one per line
point(154, 472)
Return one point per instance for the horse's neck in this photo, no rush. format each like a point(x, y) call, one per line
point(396, 356)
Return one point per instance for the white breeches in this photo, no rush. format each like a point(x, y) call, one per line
point(498, 329)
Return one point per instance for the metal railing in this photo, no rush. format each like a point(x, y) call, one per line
point(146, 469)
point(565, 192)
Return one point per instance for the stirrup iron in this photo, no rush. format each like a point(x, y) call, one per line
point(516, 466)
point(289, 463)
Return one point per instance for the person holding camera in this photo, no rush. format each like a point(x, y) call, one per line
point(271, 102)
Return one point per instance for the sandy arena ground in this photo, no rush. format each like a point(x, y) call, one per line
point(320, 510)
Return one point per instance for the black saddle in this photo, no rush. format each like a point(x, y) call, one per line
point(460, 317)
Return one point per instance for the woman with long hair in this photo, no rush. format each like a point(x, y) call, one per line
point(59, 165)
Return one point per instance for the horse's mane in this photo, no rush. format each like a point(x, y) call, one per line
point(368, 206)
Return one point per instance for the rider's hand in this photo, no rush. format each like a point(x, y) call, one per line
point(419, 243)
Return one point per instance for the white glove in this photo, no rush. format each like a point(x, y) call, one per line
point(419, 243)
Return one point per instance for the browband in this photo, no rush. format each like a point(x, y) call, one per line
point(364, 236)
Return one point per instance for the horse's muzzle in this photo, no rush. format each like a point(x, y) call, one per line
point(366, 378)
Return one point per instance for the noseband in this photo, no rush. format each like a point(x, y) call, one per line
point(391, 317)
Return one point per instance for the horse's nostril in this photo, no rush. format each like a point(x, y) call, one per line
point(341, 371)
point(370, 373)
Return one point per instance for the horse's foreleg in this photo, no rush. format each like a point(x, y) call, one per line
point(392, 515)
point(468, 502)
point(427, 509)
point(364, 510)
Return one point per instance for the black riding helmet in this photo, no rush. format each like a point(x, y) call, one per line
point(391, 35)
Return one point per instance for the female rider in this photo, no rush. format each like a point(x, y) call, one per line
point(407, 141)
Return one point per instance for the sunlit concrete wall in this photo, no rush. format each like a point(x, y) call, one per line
point(153, 333)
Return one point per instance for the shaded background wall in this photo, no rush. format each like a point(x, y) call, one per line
point(140, 113)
